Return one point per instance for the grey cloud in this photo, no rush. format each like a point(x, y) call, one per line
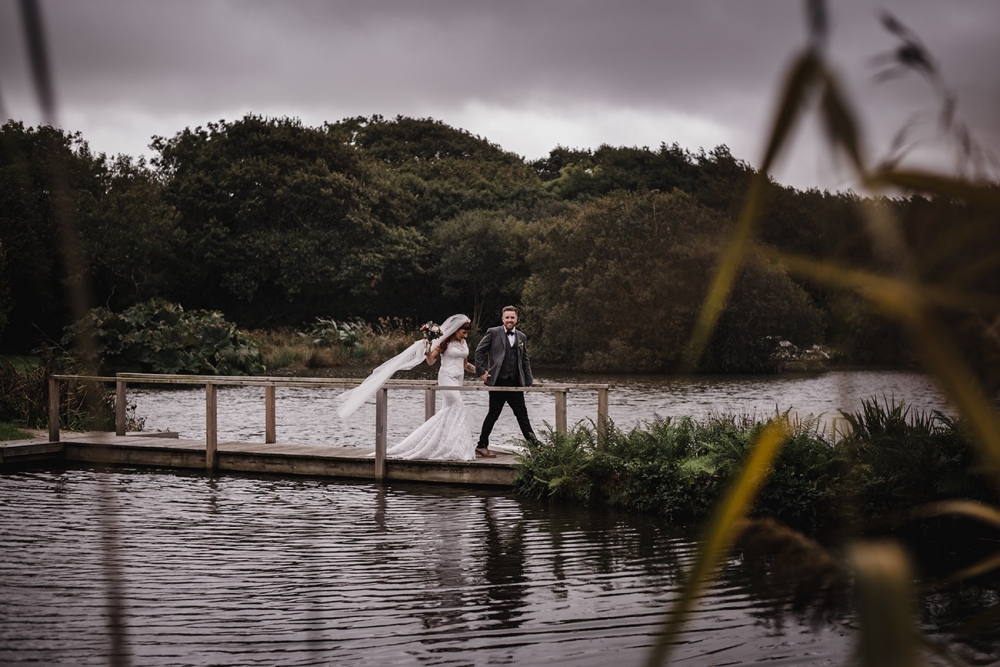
point(712, 59)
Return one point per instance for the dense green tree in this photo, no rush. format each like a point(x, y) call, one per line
point(33, 275)
point(6, 303)
point(482, 262)
point(445, 171)
point(272, 222)
point(861, 335)
point(404, 140)
point(764, 309)
point(721, 180)
point(815, 224)
point(617, 286)
point(582, 174)
point(955, 247)
point(449, 187)
point(550, 168)
point(283, 222)
point(130, 235)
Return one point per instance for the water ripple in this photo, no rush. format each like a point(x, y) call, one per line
point(261, 571)
point(306, 415)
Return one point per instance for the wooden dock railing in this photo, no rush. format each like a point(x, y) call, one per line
point(270, 384)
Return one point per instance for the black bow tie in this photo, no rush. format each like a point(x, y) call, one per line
point(510, 333)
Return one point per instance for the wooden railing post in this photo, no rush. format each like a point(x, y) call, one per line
point(561, 410)
point(211, 426)
point(602, 413)
point(53, 410)
point(269, 429)
point(381, 420)
point(430, 397)
point(120, 406)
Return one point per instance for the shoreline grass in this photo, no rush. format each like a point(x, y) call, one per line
point(9, 431)
point(889, 459)
point(322, 347)
point(329, 344)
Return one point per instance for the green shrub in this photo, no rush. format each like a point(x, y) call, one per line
point(802, 487)
point(160, 337)
point(559, 468)
point(639, 469)
point(895, 457)
point(891, 460)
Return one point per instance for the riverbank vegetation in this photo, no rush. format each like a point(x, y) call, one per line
point(885, 460)
point(161, 337)
point(83, 406)
point(610, 251)
point(327, 344)
point(11, 432)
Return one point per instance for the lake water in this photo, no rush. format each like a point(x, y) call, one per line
point(236, 570)
point(308, 415)
point(257, 570)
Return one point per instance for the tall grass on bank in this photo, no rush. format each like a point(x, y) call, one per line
point(330, 344)
point(83, 406)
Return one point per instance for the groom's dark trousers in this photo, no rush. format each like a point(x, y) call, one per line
point(515, 399)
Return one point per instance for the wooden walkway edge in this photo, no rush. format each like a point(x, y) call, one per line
point(169, 451)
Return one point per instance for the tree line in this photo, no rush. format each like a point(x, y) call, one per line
point(609, 252)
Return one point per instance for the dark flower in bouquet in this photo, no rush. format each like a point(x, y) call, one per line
point(430, 331)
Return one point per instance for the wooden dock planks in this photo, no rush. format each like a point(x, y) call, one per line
point(271, 458)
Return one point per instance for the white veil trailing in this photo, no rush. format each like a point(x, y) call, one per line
point(353, 399)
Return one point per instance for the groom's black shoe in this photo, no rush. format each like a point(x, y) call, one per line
point(485, 453)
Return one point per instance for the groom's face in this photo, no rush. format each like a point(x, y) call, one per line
point(509, 319)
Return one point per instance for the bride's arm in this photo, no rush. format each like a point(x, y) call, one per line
point(432, 356)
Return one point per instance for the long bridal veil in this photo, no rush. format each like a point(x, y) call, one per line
point(353, 399)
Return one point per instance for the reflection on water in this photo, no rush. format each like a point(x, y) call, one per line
point(308, 415)
point(235, 570)
point(239, 570)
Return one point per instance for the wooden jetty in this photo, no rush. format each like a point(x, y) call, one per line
point(169, 451)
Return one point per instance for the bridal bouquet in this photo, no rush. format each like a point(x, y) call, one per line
point(430, 331)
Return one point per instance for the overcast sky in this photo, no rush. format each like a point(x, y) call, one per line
point(527, 75)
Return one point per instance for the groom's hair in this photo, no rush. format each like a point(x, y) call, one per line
point(506, 308)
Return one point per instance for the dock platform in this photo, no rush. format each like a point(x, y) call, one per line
point(168, 451)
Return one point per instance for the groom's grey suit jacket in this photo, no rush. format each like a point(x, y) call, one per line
point(494, 347)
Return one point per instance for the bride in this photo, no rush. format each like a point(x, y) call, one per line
point(446, 435)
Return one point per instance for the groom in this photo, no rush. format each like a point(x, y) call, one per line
point(502, 361)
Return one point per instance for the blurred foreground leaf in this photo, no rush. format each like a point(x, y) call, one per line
point(885, 605)
point(802, 77)
point(719, 535)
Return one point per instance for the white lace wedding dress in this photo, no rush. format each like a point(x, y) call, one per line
point(446, 436)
